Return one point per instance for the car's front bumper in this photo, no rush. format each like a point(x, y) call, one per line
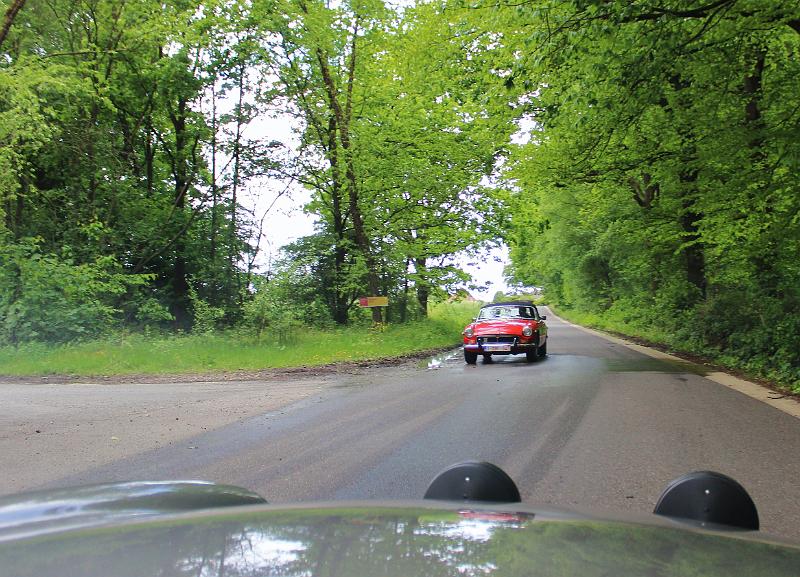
point(501, 348)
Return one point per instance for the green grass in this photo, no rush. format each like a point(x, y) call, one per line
point(136, 354)
point(617, 324)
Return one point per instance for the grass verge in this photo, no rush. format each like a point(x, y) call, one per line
point(136, 354)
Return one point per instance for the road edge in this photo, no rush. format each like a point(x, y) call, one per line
point(753, 390)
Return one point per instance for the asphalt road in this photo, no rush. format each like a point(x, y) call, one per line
point(595, 424)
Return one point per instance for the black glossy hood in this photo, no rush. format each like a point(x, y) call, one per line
point(418, 538)
point(40, 512)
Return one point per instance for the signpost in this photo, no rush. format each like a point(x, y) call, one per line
point(369, 302)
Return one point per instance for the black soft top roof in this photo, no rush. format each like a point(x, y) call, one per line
point(510, 303)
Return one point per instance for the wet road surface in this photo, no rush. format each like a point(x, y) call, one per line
point(595, 424)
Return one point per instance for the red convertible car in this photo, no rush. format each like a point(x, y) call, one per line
point(509, 328)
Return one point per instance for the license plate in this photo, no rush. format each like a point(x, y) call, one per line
point(496, 347)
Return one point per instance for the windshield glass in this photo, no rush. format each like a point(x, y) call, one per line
point(507, 312)
point(326, 249)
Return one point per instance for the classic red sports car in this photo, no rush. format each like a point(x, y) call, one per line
point(508, 328)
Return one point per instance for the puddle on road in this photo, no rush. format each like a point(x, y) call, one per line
point(655, 365)
point(612, 365)
point(438, 361)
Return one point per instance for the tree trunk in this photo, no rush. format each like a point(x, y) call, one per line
point(423, 289)
point(694, 258)
point(404, 302)
point(15, 208)
point(180, 286)
point(237, 153)
point(752, 88)
point(149, 155)
point(90, 153)
point(764, 259)
point(343, 117)
point(693, 252)
point(214, 189)
point(341, 299)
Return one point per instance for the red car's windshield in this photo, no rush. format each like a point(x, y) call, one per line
point(508, 312)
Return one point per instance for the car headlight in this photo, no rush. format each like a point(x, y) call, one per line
point(527, 331)
point(469, 332)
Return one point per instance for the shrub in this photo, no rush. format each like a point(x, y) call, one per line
point(48, 297)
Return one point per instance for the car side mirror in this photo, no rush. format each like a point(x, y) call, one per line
point(543, 317)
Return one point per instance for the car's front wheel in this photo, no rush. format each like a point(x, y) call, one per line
point(543, 350)
point(470, 358)
point(532, 355)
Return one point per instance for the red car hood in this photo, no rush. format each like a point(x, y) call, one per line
point(501, 327)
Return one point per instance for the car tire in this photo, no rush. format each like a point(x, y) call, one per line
point(470, 358)
point(487, 358)
point(543, 350)
point(532, 355)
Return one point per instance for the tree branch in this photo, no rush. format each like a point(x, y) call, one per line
point(11, 13)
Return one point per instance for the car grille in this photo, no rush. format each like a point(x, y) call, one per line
point(509, 339)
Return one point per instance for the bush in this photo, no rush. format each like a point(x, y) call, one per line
point(271, 313)
point(206, 317)
point(47, 297)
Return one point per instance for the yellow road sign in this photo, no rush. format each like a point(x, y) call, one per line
point(373, 301)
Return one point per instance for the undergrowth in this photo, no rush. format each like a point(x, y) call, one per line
point(232, 351)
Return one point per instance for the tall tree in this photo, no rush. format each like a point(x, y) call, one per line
point(102, 139)
point(657, 175)
point(399, 130)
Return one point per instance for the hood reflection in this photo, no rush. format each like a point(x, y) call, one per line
point(432, 543)
point(473, 525)
point(251, 552)
point(373, 541)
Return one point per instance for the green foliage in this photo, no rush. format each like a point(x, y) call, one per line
point(658, 185)
point(47, 297)
point(658, 190)
point(105, 136)
point(400, 132)
point(275, 312)
point(499, 296)
point(206, 317)
point(240, 350)
point(124, 134)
